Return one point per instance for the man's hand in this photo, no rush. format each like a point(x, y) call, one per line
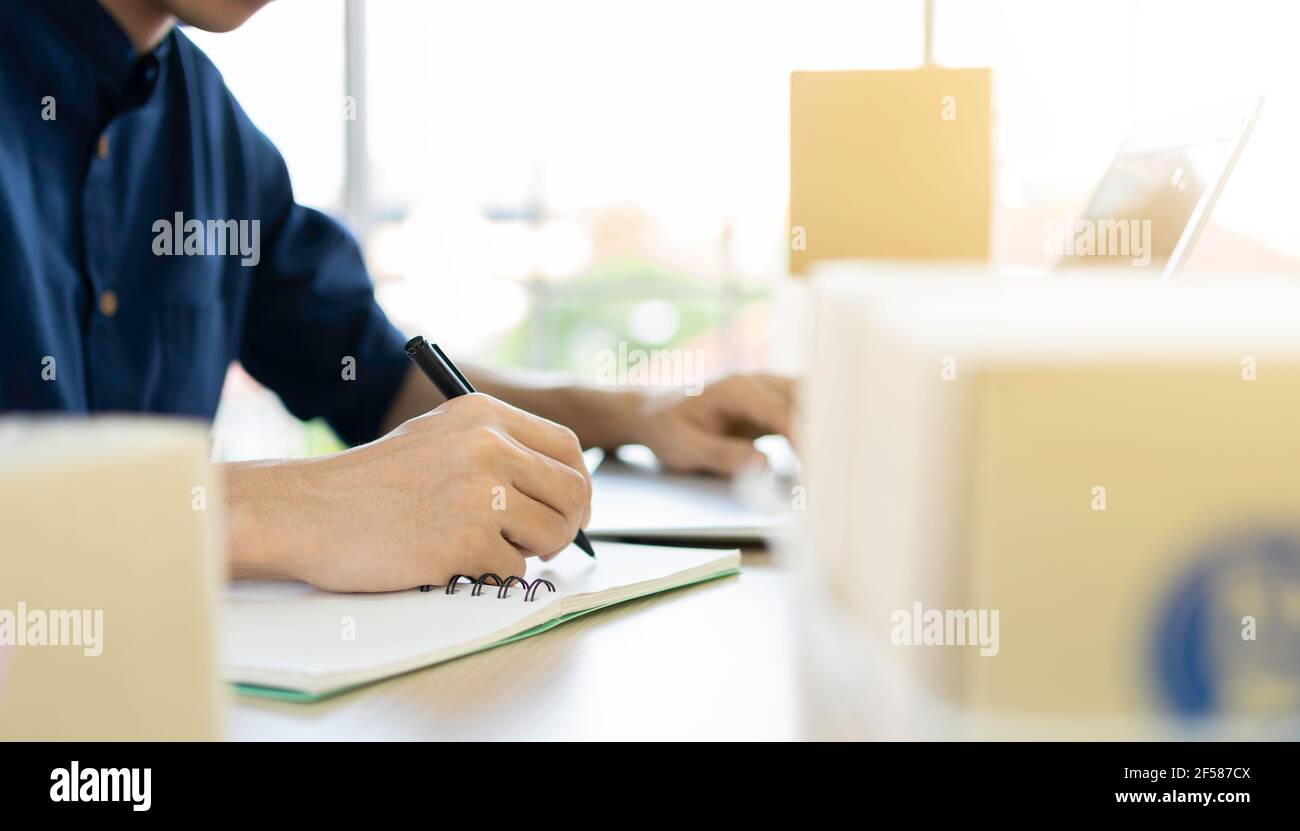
point(715, 430)
point(712, 431)
point(472, 486)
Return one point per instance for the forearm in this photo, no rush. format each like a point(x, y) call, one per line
point(263, 536)
point(601, 417)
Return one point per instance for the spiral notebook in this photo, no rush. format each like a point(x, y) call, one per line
point(292, 642)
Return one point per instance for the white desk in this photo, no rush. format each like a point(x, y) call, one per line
point(710, 661)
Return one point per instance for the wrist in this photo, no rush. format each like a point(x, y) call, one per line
point(608, 418)
point(261, 545)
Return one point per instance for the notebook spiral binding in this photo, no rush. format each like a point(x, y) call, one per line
point(503, 586)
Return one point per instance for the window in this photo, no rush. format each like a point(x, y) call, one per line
point(535, 182)
point(546, 180)
point(549, 179)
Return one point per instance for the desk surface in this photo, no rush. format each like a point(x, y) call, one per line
point(714, 660)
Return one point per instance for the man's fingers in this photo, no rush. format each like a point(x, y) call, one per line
point(546, 437)
point(502, 559)
point(483, 551)
point(722, 455)
point(747, 399)
point(785, 388)
point(778, 384)
point(534, 527)
point(552, 483)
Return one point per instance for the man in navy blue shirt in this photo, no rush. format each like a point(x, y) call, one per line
point(151, 238)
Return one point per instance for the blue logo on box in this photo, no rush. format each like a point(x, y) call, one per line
point(1205, 661)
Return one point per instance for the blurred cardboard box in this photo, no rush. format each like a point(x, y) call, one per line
point(893, 164)
point(1055, 506)
point(108, 575)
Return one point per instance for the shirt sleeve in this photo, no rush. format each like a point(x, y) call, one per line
point(312, 330)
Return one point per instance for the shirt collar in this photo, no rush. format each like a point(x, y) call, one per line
point(91, 30)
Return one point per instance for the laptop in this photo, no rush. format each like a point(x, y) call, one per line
point(634, 499)
point(1155, 198)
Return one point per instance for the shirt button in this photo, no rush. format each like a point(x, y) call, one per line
point(108, 302)
point(101, 149)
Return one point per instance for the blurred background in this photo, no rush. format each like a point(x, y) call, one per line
point(532, 183)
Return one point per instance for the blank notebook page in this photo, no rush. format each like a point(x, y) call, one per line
point(289, 635)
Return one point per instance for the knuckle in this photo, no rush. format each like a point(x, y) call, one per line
point(565, 436)
point(570, 438)
point(481, 440)
point(453, 406)
point(577, 491)
point(474, 405)
point(419, 422)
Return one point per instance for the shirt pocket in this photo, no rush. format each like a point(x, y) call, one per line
point(194, 357)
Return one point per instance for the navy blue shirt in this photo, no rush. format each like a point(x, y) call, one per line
point(103, 152)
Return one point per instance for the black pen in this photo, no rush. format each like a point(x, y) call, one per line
point(439, 369)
